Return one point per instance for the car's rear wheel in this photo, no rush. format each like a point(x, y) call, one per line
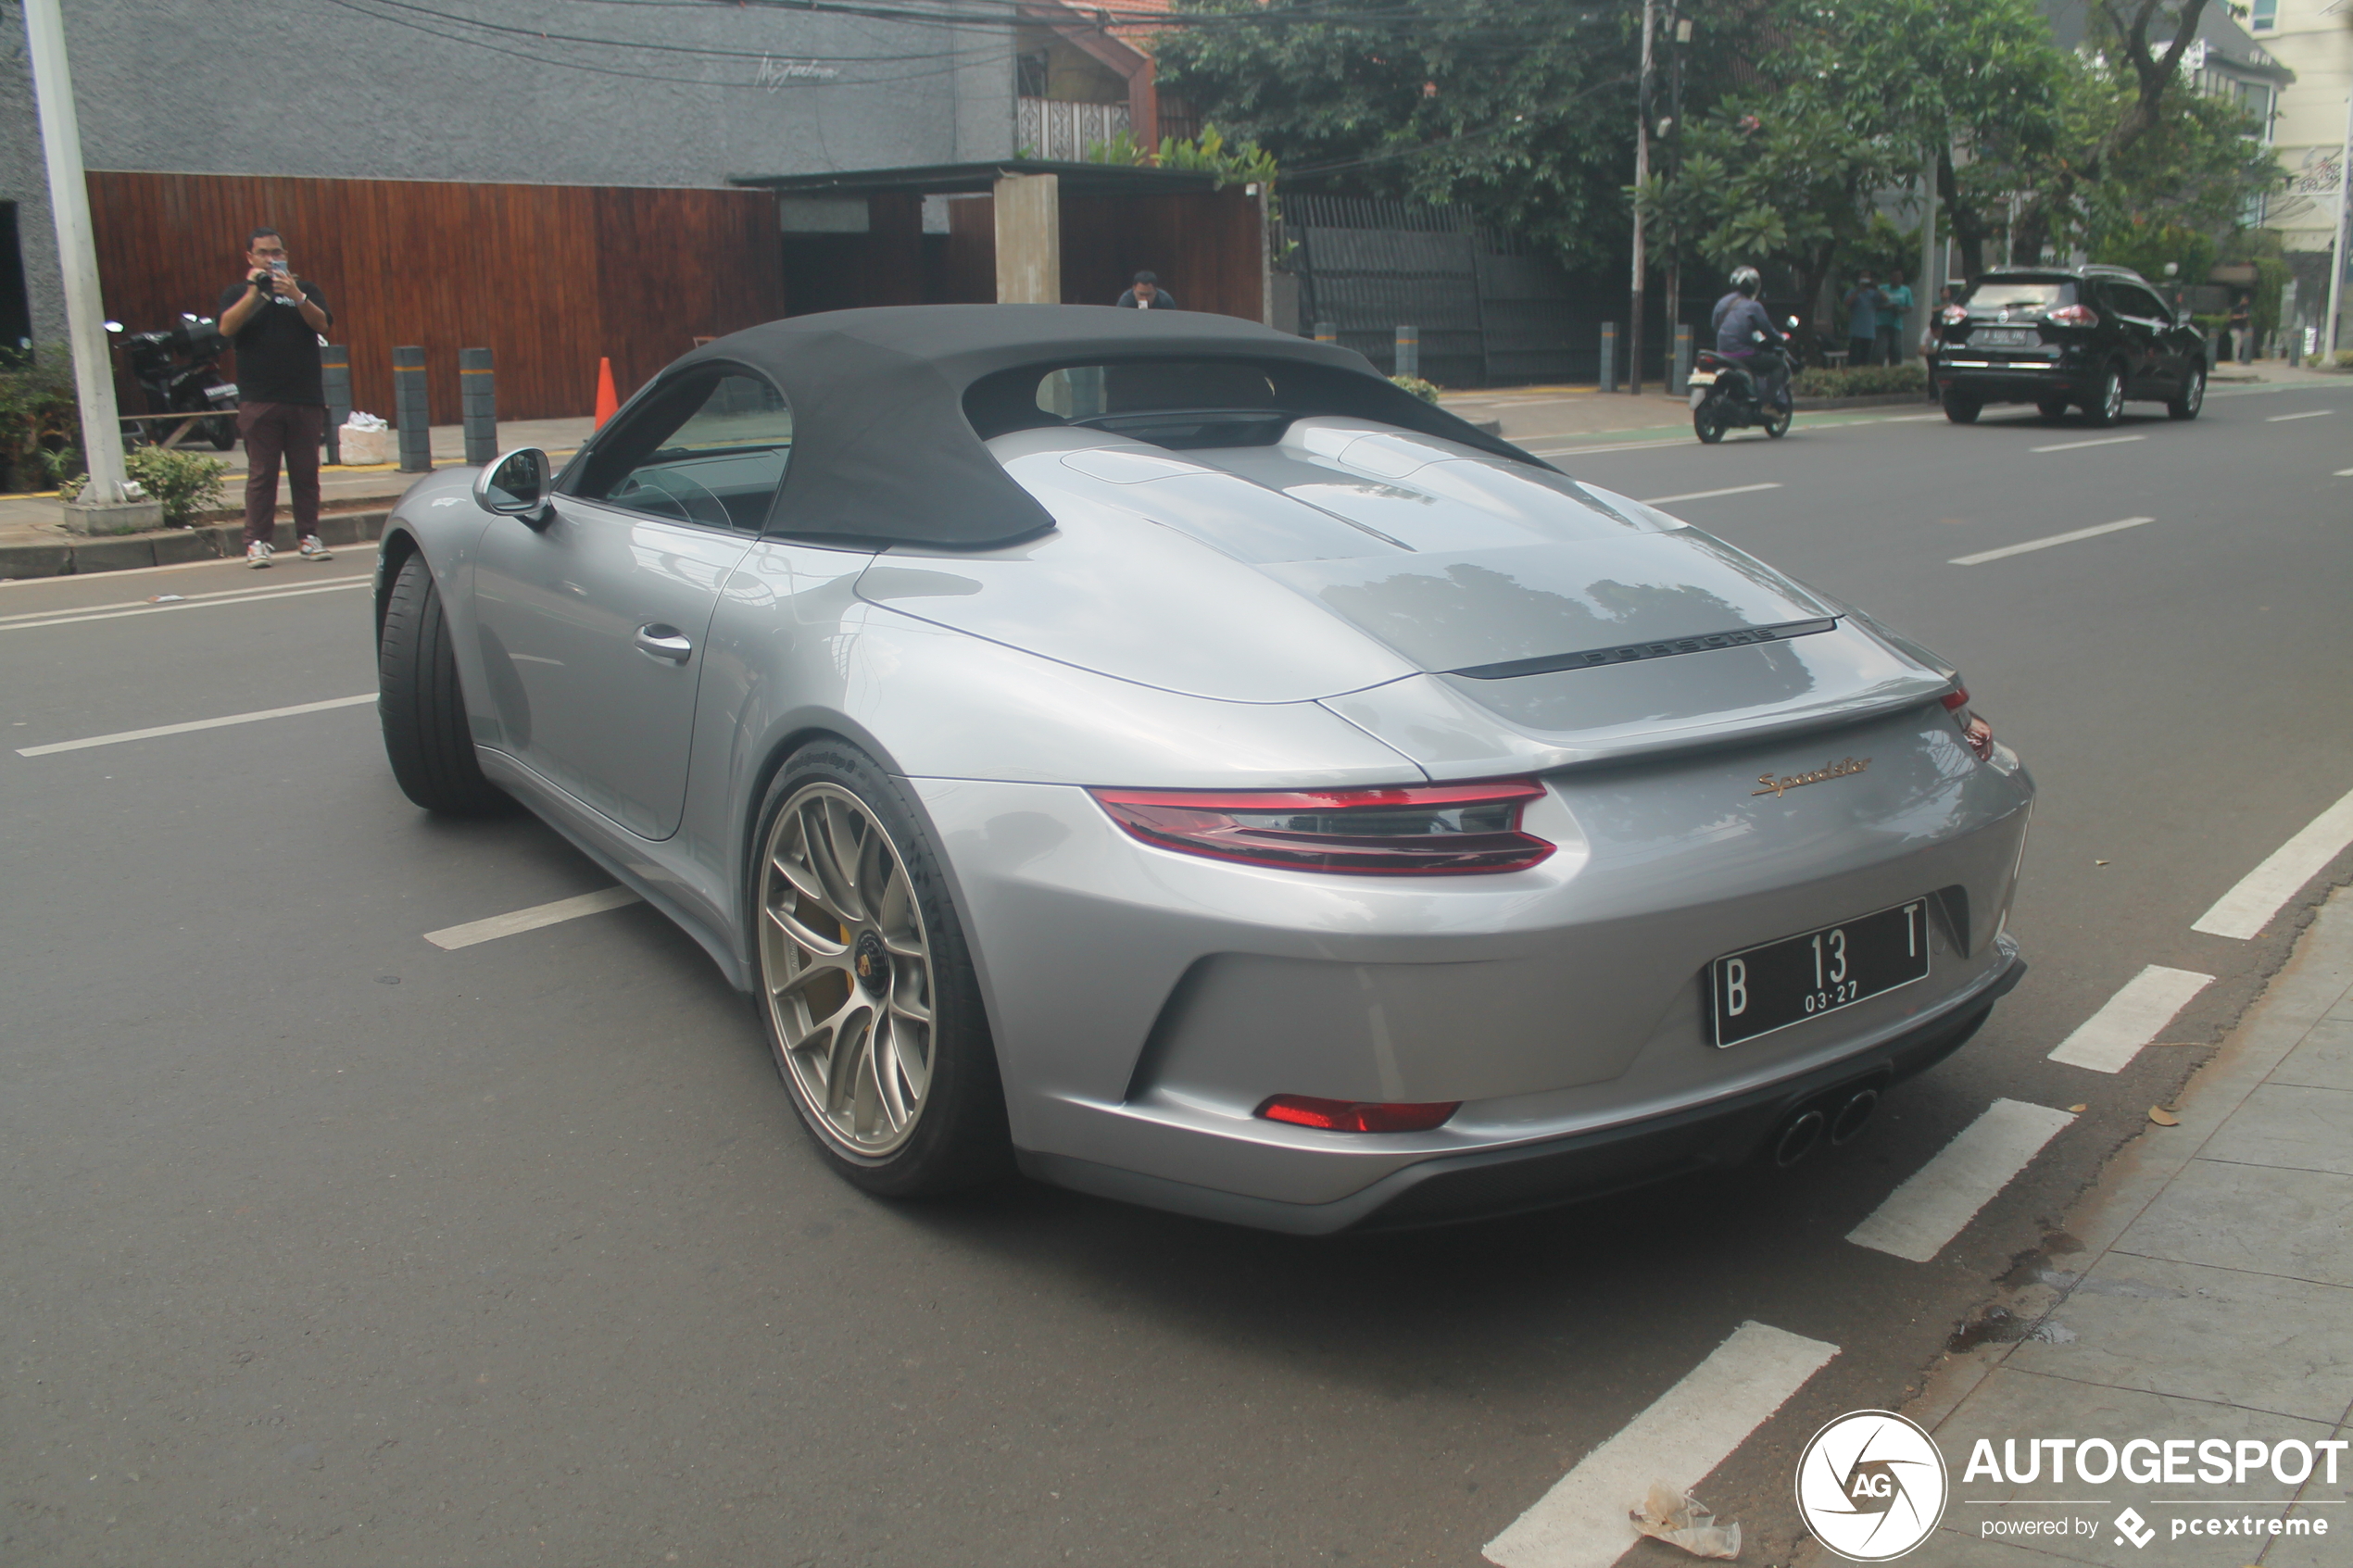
point(2191, 399)
point(427, 739)
point(866, 986)
point(2052, 407)
point(1960, 407)
point(2107, 398)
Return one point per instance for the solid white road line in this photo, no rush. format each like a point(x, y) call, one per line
point(562, 909)
point(2107, 1041)
point(1707, 494)
point(195, 724)
point(2077, 445)
point(2248, 907)
point(249, 591)
point(67, 618)
point(1920, 1217)
point(1676, 442)
point(2343, 474)
point(2308, 414)
point(1983, 556)
point(1693, 1428)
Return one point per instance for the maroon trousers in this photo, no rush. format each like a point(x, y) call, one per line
point(274, 431)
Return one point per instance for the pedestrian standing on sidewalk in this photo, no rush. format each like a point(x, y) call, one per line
point(1895, 303)
point(277, 321)
point(1863, 303)
point(2242, 330)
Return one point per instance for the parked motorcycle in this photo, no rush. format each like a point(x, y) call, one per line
point(178, 367)
point(1725, 393)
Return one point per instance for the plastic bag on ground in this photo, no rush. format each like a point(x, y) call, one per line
point(1673, 1517)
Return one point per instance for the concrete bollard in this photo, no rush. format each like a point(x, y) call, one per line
point(1683, 381)
point(1409, 351)
point(334, 380)
point(1609, 357)
point(478, 405)
point(408, 410)
point(1327, 332)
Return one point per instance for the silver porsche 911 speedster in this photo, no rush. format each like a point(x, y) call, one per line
point(1158, 753)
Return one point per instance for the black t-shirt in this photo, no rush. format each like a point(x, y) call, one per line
point(277, 352)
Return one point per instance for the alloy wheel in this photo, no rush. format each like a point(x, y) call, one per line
point(845, 967)
point(2111, 398)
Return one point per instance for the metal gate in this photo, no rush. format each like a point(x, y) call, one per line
point(1490, 310)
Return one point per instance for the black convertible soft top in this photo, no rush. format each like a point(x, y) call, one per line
point(885, 450)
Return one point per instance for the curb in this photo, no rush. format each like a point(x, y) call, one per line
point(169, 547)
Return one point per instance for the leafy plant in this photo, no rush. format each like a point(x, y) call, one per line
point(1425, 391)
point(40, 421)
point(186, 482)
point(1244, 163)
point(1859, 381)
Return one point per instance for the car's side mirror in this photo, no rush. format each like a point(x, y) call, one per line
point(515, 484)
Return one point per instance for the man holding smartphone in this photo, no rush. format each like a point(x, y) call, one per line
point(276, 320)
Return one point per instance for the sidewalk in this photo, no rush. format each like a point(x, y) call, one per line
point(2203, 1289)
point(33, 541)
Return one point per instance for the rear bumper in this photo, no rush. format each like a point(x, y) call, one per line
point(1719, 1135)
point(2016, 383)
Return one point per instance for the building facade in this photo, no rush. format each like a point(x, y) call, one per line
point(2314, 38)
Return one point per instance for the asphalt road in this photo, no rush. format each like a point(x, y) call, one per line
point(325, 1245)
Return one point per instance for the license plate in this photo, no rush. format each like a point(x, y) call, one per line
point(226, 389)
point(2005, 337)
point(1702, 378)
point(1771, 986)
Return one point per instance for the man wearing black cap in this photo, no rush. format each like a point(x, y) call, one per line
point(1147, 296)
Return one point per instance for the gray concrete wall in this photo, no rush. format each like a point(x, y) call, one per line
point(311, 89)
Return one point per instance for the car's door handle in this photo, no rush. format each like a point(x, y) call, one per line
point(657, 641)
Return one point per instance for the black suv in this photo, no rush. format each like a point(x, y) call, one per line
point(2093, 337)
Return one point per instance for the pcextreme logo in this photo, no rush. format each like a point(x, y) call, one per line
point(1871, 1486)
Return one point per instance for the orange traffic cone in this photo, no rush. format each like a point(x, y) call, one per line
point(607, 404)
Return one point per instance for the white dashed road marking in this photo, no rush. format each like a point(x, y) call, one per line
point(194, 601)
point(1707, 494)
point(2079, 446)
point(2110, 1038)
point(562, 909)
point(2308, 414)
point(195, 725)
point(1693, 1428)
point(2248, 907)
point(1983, 556)
point(1920, 1216)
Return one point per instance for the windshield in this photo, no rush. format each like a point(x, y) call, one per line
point(2021, 294)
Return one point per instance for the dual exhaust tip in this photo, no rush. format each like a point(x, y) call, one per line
point(1837, 1119)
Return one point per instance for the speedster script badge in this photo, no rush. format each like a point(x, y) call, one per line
point(1838, 770)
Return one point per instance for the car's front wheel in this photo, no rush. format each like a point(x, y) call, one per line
point(866, 986)
point(2107, 398)
point(427, 739)
point(2191, 399)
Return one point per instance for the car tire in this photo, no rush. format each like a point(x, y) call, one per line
point(2052, 407)
point(427, 738)
point(2107, 398)
point(892, 1066)
point(1960, 409)
point(2191, 399)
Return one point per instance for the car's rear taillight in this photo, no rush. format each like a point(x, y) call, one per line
point(2075, 316)
point(1953, 314)
point(1413, 830)
point(1974, 730)
point(1356, 1115)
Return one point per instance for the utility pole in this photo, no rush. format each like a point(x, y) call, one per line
point(2336, 241)
point(1641, 174)
point(1681, 33)
point(1928, 249)
point(105, 504)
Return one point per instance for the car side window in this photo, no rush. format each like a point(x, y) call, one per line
point(2134, 301)
point(709, 447)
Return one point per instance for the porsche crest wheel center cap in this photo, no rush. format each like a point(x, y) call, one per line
point(871, 961)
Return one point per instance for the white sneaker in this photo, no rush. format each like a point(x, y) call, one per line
point(315, 548)
point(258, 555)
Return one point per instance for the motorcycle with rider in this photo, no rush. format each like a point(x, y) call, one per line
point(1744, 380)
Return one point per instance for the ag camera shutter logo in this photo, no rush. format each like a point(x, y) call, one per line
point(1871, 1486)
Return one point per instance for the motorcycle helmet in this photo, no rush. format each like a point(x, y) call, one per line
point(1747, 281)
